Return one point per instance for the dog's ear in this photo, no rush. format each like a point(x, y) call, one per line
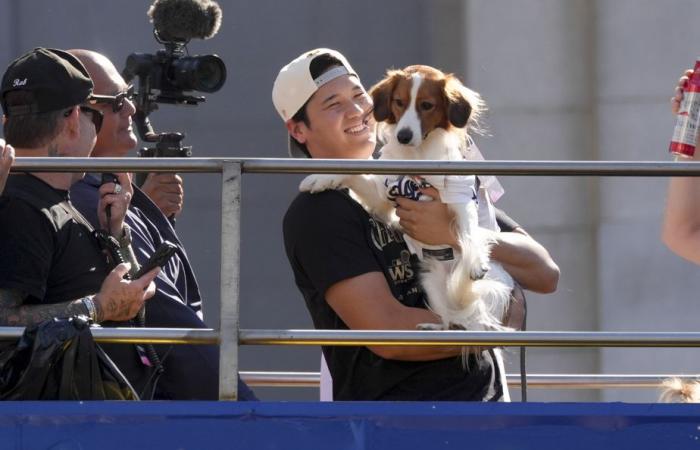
point(459, 109)
point(381, 96)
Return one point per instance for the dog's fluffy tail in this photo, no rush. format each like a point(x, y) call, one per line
point(675, 390)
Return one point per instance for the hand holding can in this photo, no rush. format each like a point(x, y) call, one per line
point(686, 131)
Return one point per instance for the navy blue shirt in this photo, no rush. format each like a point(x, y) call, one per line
point(149, 227)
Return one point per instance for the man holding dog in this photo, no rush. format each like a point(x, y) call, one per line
point(190, 371)
point(356, 273)
point(50, 264)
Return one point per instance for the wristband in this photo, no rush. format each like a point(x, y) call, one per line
point(89, 304)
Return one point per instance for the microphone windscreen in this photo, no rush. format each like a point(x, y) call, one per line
point(182, 20)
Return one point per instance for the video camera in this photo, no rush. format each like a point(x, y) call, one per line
point(169, 75)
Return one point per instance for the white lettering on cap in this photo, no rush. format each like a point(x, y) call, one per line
point(19, 82)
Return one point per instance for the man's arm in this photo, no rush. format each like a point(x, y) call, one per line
point(525, 259)
point(681, 226)
point(365, 302)
point(14, 314)
point(118, 300)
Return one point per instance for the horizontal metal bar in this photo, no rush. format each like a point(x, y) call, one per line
point(549, 168)
point(282, 379)
point(470, 338)
point(399, 338)
point(291, 165)
point(594, 381)
point(198, 336)
point(135, 335)
point(199, 165)
point(538, 381)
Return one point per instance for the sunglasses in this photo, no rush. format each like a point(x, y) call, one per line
point(95, 116)
point(117, 101)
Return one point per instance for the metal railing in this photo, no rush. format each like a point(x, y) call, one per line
point(229, 336)
point(537, 381)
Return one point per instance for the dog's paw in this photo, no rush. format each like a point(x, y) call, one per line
point(320, 182)
point(430, 327)
point(456, 326)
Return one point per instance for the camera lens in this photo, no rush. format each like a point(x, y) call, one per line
point(206, 73)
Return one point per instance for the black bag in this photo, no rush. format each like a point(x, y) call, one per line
point(59, 360)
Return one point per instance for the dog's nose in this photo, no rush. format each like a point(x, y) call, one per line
point(405, 135)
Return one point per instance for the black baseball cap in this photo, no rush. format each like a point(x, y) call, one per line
point(56, 79)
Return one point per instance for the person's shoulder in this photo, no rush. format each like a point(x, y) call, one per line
point(18, 213)
point(331, 199)
point(321, 209)
point(84, 195)
point(82, 186)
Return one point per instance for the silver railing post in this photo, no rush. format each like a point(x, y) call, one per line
point(230, 279)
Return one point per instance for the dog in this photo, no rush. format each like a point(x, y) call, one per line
point(424, 114)
point(676, 390)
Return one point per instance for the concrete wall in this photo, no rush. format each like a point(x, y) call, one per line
point(643, 47)
point(591, 80)
point(532, 61)
point(565, 80)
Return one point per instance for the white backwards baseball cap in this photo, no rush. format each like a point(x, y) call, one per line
point(295, 85)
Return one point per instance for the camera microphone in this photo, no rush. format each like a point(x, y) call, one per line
point(182, 20)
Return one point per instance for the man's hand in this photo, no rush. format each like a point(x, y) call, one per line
point(429, 222)
point(7, 157)
point(118, 200)
point(680, 88)
point(121, 299)
point(166, 191)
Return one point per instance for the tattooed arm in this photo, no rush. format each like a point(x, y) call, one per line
point(13, 313)
point(118, 300)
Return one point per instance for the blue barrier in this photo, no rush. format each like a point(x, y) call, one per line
point(361, 425)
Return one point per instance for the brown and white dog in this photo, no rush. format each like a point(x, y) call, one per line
point(424, 114)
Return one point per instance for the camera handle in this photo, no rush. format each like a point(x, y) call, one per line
point(168, 145)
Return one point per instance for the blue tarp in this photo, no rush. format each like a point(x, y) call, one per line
point(360, 425)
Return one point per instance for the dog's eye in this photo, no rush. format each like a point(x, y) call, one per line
point(398, 102)
point(426, 106)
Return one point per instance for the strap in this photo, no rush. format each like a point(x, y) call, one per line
point(523, 371)
point(75, 214)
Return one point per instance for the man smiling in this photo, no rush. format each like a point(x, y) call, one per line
point(349, 277)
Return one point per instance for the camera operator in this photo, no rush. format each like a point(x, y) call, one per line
point(191, 371)
point(7, 156)
point(50, 263)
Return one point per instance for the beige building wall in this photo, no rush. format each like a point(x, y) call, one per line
point(589, 80)
point(531, 61)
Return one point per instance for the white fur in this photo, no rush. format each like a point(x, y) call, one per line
point(410, 117)
point(456, 292)
point(675, 390)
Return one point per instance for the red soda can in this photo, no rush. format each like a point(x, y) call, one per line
point(685, 133)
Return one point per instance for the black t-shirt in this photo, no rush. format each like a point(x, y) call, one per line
point(44, 252)
point(329, 238)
